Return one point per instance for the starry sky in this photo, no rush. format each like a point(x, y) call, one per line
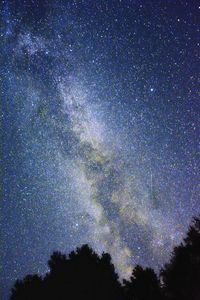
point(100, 129)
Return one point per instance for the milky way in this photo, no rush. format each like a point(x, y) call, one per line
point(100, 128)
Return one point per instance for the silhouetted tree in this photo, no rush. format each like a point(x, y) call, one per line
point(86, 275)
point(57, 281)
point(81, 275)
point(110, 286)
point(30, 288)
point(143, 285)
point(181, 276)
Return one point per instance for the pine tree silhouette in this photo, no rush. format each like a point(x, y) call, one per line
point(181, 276)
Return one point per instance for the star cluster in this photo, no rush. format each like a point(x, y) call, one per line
point(100, 130)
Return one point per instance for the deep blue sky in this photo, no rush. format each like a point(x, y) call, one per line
point(100, 129)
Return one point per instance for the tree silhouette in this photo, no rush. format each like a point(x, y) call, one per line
point(181, 276)
point(30, 288)
point(143, 285)
point(83, 274)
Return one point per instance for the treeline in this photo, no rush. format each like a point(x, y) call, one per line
point(85, 275)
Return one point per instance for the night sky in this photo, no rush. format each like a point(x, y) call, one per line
point(100, 128)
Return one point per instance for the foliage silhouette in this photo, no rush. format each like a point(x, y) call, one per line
point(143, 285)
point(181, 276)
point(83, 274)
point(29, 288)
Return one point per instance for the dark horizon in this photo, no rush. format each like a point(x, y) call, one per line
point(85, 274)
